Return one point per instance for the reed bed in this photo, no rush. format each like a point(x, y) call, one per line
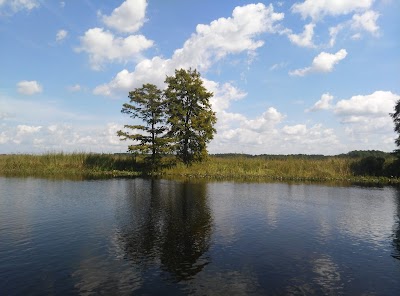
point(258, 167)
point(68, 164)
point(84, 165)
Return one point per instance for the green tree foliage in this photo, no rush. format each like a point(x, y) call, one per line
point(396, 120)
point(369, 166)
point(147, 104)
point(189, 115)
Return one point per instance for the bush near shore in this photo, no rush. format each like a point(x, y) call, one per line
point(224, 166)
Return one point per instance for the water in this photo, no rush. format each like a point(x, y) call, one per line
point(160, 237)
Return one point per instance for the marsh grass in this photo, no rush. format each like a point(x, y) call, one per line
point(67, 164)
point(290, 168)
point(91, 165)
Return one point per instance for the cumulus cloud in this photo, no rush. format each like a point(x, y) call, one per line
point(323, 104)
point(223, 94)
point(209, 44)
point(366, 119)
point(264, 134)
point(102, 46)
point(61, 35)
point(129, 17)
point(29, 87)
point(366, 21)
point(298, 129)
point(304, 39)
point(61, 137)
point(14, 6)
point(317, 9)
point(379, 103)
point(323, 63)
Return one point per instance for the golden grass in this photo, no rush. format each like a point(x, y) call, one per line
point(81, 165)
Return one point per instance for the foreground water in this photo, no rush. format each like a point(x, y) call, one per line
point(167, 237)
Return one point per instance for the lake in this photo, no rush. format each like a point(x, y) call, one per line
point(163, 237)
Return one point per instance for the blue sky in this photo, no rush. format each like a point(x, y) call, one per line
point(288, 77)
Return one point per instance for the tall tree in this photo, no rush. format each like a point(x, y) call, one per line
point(189, 115)
point(396, 120)
point(146, 103)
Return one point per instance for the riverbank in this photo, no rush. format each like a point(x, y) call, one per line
point(234, 167)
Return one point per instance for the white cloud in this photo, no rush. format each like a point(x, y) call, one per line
point(61, 137)
point(3, 138)
point(209, 44)
point(304, 39)
point(129, 17)
point(323, 104)
point(379, 103)
point(102, 46)
point(298, 129)
point(27, 129)
point(237, 133)
point(366, 21)
point(323, 63)
point(266, 121)
point(24, 133)
point(14, 6)
point(61, 35)
point(333, 33)
point(359, 22)
point(62, 4)
point(222, 94)
point(29, 87)
point(366, 119)
point(317, 9)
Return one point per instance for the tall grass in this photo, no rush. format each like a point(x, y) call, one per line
point(66, 164)
point(258, 167)
point(215, 167)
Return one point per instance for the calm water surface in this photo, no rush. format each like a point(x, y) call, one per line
point(160, 237)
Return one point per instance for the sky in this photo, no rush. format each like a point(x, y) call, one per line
point(288, 77)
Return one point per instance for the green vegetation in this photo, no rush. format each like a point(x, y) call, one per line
point(217, 167)
point(146, 103)
point(190, 116)
point(68, 165)
point(178, 121)
point(396, 120)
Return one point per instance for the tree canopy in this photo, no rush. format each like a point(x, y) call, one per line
point(147, 104)
point(396, 120)
point(189, 115)
point(179, 119)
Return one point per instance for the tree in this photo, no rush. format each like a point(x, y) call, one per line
point(396, 120)
point(189, 115)
point(147, 104)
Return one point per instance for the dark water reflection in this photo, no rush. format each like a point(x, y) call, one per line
point(396, 232)
point(168, 225)
point(159, 237)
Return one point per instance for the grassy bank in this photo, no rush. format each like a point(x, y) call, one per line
point(73, 164)
point(290, 168)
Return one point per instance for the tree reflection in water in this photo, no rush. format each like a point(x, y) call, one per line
point(168, 227)
point(396, 230)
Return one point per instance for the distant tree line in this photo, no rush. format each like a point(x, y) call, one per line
point(375, 163)
point(178, 120)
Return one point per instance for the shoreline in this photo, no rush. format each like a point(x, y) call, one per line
point(303, 169)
